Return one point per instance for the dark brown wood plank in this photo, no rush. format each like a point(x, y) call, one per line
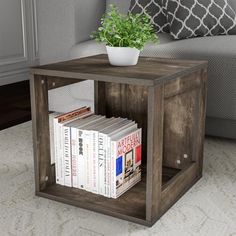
point(99, 97)
point(14, 104)
point(149, 71)
point(183, 84)
point(200, 134)
point(57, 82)
point(177, 186)
point(154, 150)
point(180, 119)
point(130, 206)
point(136, 106)
point(13, 117)
point(41, 140)
point(167, 174)
point(131, 203)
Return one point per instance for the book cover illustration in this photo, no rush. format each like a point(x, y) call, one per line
point(128, 162)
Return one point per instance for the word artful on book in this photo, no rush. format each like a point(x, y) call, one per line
point(94, 153)
point(127, 159)
point(128, 143)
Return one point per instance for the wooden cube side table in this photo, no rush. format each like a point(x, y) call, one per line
point(166, 97)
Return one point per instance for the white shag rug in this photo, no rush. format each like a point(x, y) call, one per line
point(209, 208)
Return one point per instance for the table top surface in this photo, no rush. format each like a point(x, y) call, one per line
point(148, 72)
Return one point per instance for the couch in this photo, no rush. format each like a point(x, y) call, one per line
point(220, 51)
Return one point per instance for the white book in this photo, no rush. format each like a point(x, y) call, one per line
point(102, 149)
point(94, 166)
point(126, 156)
point(103, 154)
point(101, 161)
point(58, 139)
point(91, 144)
point(85, 156)
point(74, 155)
point(75, 147)
point(110, 162)
point(67, 155)
point(51, 133)
point(58, 154)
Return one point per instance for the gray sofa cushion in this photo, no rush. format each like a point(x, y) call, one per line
point(193, 18)
point(200, 47)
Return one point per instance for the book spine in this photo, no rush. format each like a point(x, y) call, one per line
point(101, 163)
point(56, 151)
point(74, 157)
point(60, 153)
point(67, 156)
point(108, 168)
point(113, 169)
point(51, 134)
point(73, 114)
point(87, 155)
point(94, 164)
point(81, 160)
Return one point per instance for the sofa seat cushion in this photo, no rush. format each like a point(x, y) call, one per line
point(202, 47)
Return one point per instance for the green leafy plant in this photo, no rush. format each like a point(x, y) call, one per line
point(131, 30)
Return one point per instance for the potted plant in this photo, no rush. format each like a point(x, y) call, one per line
point(124, 36)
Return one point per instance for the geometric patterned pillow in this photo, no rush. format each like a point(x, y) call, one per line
point(191, 18)
point(155, 9)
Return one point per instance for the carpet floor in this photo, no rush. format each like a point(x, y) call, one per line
point(209, 208)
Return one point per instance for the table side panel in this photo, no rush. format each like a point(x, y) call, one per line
point(201, 122)
point(57, 82)
point(154, 151)
point(181, 118)
point(184, 83)
point(178, 186)
point(39, 101)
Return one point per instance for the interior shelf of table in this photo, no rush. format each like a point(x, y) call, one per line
point(132, 203)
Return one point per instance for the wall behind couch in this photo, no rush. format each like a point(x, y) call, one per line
point(18, 40)
point(62, 24)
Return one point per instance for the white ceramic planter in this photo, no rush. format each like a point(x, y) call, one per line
point(123, 56)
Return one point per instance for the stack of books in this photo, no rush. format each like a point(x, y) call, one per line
point(94, 153)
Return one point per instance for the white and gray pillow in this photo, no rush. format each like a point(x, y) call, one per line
point(191, 18)
point(155, 9)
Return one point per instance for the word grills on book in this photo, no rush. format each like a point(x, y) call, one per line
point(94, 153)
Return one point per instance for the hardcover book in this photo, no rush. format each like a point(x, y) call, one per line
point(58, 123)
point(127, 155)
point(51, 133)
point(76, 147)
